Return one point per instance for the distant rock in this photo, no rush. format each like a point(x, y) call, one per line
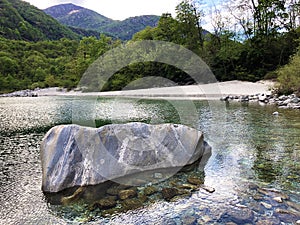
point(78, 156)
point(23, 93)
point(283, 102)
point(262, 97)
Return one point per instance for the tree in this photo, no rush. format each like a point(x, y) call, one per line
point(293, 10)
point(289, 76)
point(190, 31)
point(8, 65)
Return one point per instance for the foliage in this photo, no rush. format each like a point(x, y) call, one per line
point(125, 29)
point(289, 76)
point(21, 21)
point(47, 63)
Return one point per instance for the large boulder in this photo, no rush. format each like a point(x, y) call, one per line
point(78, 156)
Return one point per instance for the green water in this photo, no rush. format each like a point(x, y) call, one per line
point(253, 152)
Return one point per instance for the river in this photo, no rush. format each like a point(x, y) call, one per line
point(255, 158)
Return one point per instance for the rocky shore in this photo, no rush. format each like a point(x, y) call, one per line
point(231, 90)
point(282, 101)
point(23, 93)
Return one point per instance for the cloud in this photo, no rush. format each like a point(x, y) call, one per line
point(117, 9)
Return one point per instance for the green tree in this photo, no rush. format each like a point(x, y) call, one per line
point(190, 31)
point(8, 65)
point(289, 76)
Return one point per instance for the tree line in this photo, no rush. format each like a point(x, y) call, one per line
point(265, 46)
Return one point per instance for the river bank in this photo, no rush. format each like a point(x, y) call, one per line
point(200, 91)
point(241, 91)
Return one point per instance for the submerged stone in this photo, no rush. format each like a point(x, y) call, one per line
point(169, 193)
point(124, 194)
point(79, 156)
point(239, 216)
point(105, 203)
point(194, 180)
point(150, 190)
point(129, 204)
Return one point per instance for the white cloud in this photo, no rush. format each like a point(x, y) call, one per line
point(122, 9)
point(117, 9)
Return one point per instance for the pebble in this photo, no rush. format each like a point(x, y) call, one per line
point(74, 197)
point(278, 199)
point(293, 205)
point(131, 204)
point(125, 194)
point(208, 189)
point(187, 186)
point(189, 220)
point(150, 190)
point(206, 218)
point(264, 222)
point(194, 180)
point(105, 203)
point(266, 205)
point(284, 211)
point(158, 175)
point(239, 216)
point(241, 206)
point(169, 193)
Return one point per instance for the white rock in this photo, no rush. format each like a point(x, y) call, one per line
point(266, 205)
point(78, 156)
point(262, 97)
point(278, 199)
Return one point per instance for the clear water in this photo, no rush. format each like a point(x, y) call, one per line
point(251, 148)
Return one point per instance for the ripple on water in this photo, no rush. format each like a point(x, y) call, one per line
point(253, 152)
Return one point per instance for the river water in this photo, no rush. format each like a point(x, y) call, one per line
point(255, 158)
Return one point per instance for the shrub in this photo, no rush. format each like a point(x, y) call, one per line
point(289, 76)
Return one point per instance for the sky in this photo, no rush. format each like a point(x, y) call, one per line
point(122, 9)
point(117, 9)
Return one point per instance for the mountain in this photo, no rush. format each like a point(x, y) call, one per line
point(127, 28)
point(21, 21)
point(76, 16)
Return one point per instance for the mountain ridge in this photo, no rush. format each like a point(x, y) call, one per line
point(76, 16)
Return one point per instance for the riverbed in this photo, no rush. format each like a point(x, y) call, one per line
point(255, 159)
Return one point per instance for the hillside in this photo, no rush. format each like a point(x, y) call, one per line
point(76, 16)
point(127, 28)
point(21, 21)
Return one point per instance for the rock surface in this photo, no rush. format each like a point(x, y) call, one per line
point(78, 156)
point(283, 102)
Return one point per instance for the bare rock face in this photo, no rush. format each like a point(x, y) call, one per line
point(78, 156)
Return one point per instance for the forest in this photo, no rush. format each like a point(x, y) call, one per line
point(265, 47)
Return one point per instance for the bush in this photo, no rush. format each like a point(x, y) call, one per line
point(289, 76)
